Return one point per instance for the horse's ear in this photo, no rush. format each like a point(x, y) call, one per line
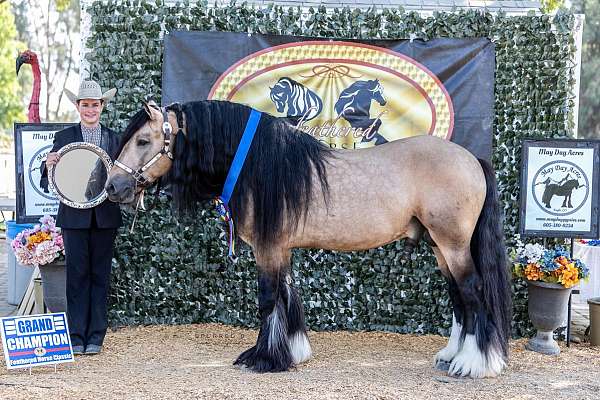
point(151, 109)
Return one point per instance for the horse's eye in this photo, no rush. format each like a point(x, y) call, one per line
point(142, 142)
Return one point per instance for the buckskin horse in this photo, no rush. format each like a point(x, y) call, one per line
point(295, 192)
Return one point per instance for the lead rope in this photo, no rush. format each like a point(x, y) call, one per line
point(140, 201)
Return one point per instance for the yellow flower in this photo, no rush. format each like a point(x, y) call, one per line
point(569, 276)
point(532, 272)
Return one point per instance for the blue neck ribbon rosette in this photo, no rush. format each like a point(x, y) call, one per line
point(222, 202)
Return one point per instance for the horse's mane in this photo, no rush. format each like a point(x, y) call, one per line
point(276, 181)
point(360, 85)
point(348, 95)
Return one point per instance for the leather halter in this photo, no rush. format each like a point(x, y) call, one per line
point(138, 175)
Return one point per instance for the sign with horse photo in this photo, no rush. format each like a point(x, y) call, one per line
point(33, 141)
point(346, 93)
point(559, 188)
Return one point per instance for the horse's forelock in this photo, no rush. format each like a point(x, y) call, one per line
point(136, 123)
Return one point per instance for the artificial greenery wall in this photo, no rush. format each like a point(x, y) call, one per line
point(177, 273)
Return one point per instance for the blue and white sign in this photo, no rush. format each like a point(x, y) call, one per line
point(36, 340)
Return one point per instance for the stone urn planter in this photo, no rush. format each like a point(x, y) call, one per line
point(54, 282)
point(547, 309)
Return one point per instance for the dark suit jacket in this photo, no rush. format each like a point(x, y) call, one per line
point(108, 214)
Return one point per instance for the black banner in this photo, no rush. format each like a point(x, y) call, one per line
point(347, 93)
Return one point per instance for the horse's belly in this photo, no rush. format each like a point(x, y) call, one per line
point(352, 233)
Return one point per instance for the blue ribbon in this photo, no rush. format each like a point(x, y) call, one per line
point(222, 202)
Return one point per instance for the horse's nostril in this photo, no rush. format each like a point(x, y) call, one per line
point(110, 188)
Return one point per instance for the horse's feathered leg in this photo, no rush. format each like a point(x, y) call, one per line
point(282, 341)
point(297, 336)
point(271, 352)
point(476, 358)
point(482, 279)
point(444, 357)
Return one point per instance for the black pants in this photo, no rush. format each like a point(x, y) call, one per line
point(88, 257)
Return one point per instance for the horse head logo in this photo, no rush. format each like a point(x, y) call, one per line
point(354, 105)
point(301, 102)
point(378, 93)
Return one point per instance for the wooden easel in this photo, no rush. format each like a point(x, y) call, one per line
point(27, 305)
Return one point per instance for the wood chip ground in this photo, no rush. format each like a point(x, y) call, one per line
point(195, 362)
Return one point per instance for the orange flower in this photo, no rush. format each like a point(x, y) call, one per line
point(558, 272)
point(532, 272)
point(38, 238)
point(562, 260)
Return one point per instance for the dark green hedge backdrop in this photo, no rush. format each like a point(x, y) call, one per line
point(170, 272)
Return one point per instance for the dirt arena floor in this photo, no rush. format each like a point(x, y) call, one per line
point(195, 362)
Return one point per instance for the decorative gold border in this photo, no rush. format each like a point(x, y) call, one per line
point(74, 146)
point(336, 52)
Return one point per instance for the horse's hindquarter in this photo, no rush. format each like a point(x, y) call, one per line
point(374, 194)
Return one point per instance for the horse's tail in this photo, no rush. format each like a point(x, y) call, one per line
point(548, 193)
point(489, 254)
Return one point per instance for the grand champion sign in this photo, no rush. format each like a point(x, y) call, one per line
point(36, 340)
point(559, 188)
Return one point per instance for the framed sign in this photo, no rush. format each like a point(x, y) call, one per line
point(559, 188)
point(33, 142)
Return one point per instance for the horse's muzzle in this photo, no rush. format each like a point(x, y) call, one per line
point(121, 189)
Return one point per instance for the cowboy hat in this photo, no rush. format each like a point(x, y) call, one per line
point(90, 90)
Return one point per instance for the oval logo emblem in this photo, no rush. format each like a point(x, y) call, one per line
point(346, 94)
point(560, 188)
point(39, 351)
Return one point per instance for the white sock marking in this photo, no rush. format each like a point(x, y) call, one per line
point(300, 347)
point(447, 353)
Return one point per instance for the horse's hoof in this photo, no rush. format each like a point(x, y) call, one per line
point(442, 365)
point(472, 363)
point(256, 362)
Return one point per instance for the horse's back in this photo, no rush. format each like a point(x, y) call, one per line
point(431, 172)
point(419, 164)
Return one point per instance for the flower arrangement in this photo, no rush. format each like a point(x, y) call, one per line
point(536, 263)
point(39, 245)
